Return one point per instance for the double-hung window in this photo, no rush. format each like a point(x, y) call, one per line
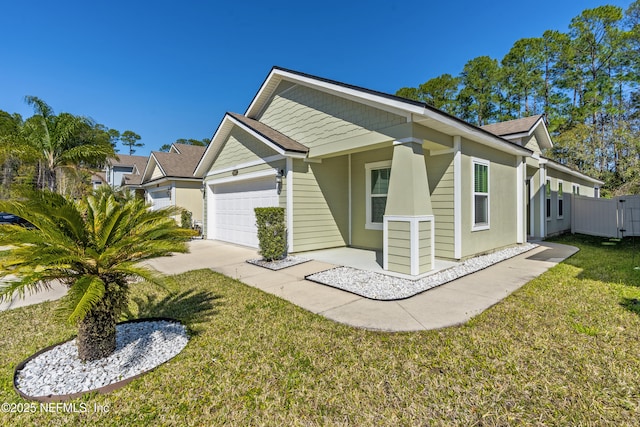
point(480, 202)
point(377, 185)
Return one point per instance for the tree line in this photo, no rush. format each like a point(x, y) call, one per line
point(584, 80)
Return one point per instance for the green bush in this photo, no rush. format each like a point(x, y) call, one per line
point(272, 233)
point(186, 219)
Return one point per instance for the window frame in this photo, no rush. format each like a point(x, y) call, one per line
point(369, 168)
point(480, 226)
point(548, 194)
point(559, 200)
point(575, 189)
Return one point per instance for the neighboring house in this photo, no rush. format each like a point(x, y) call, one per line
point(168, 179)
point(549, 184)
point(97, 179)
point(356, 167)
point(123, 165)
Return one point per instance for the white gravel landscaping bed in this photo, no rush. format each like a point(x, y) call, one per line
point(140, 347)
point(378, 286)
point(289, 261)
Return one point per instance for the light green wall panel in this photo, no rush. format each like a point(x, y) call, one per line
point(321, 208)
point(315, 118)
point(440, 175)
point(502, 200)
point(361, 237)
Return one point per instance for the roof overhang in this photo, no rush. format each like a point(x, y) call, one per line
point(219, 138)
point(562, 168)
point(413, 110)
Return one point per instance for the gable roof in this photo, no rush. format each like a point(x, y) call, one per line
point(519, 128)
point(269, 136)
point(416, 111)
point(179, 164)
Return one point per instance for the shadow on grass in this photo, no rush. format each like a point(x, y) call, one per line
point(631, 304)
point(190, 307)
point(605, 259)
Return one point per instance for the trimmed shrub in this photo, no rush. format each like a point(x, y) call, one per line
point(186, 219)
point(272, 233)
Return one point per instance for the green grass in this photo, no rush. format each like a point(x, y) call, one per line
point(563, 350)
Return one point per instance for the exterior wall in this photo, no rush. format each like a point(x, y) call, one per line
point(241, 147)
point(239, 155)
point(156, 173)
point(399, 245)
point(189, 197)
point(117, 173)
point(320, 204)
point(315, 118)
point(554, 224)
point(532, 144)
point(360, 236)
point(502, 229)
point(440, 175)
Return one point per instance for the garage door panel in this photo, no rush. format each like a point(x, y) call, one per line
point(234, 217)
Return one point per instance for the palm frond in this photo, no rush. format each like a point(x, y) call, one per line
point(85, 293)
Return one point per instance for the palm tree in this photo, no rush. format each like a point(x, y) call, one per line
point(94, 246)
point(60, 141)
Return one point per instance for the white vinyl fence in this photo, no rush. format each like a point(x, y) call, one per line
point(617, 217)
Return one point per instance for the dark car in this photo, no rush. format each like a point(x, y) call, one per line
point(7, 218)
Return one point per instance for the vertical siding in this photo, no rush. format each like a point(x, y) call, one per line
point(440, 174)
point(399, 246)
point(314, 118)
point(320, 211)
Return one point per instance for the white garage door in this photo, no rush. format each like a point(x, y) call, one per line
point(233, 217)
point(160, 199)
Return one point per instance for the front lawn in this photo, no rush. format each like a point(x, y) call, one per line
point(563, 350)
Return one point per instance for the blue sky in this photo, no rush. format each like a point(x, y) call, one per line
point(169, 69)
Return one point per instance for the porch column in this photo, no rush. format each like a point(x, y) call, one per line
point(408, 225)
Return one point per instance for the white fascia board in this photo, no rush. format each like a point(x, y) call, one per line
point(210, 153)
point(570, 171)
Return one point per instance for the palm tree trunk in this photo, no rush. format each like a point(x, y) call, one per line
point(97, 333)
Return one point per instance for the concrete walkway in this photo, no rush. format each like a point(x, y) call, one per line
point(450, 304)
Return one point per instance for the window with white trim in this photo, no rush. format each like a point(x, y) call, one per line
point(560, 211)
point(547, 192)
point(480, 201)
point(576, 189)
point(377, 188)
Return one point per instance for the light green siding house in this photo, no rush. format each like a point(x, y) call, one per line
point(360, 168)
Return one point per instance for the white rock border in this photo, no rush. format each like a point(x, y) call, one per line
point(378, 286)
point(57, 374)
